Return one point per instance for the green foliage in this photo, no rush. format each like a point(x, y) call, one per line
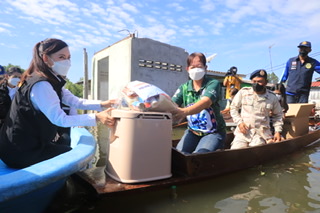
point(272, 78)
point(76, 89)
point(11, 65)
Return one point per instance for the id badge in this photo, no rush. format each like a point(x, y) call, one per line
point(293, 65)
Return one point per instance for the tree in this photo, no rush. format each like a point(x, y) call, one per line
point(76, 89)
point(273, 78)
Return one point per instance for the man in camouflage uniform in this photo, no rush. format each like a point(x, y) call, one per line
point(255, 104)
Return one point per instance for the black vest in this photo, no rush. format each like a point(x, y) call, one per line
point(26, 131)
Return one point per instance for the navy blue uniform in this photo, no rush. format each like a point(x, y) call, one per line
point(299, 75)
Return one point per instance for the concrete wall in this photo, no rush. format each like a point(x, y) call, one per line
point(140, 59)
point(314, 96)
point(159, 64)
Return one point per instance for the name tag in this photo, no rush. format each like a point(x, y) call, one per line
point(293, 65)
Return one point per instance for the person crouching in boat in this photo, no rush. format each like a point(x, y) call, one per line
point(199, 98)
point(29, 129)
point(256, 103)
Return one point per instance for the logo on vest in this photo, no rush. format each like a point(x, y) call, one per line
point(308, 65)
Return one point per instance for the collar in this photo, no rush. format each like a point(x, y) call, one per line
point(190, 83)
point(306, 60)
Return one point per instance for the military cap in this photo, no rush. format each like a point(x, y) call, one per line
point(305, 44)
point(259, 73)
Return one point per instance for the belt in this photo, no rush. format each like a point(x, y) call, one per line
point(198, 133)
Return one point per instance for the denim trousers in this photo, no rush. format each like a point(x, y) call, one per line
point(191, 143)
point(299, 98)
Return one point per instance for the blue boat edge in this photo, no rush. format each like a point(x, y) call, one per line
point(40, 182)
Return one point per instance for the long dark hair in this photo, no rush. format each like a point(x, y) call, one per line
point(283, 101)
point(37, 65)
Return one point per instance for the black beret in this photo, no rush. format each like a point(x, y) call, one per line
point(259, 73)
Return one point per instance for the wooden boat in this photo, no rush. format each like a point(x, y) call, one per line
point(189, 168)
point(31, 189)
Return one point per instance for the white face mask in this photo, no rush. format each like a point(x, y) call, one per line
point(14, 81)
point(196, 73)
point(61, 67)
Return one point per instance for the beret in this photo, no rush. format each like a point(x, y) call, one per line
point(259, 73)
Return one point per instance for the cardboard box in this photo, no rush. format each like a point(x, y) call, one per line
point(296, 122)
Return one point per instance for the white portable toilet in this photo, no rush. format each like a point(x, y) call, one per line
point(140, 150)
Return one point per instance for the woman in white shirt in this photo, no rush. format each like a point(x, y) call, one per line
point(28, 132)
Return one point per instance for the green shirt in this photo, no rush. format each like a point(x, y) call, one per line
point(208, 120)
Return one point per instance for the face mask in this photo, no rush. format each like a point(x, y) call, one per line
point(257, 87)
point(279, 97)
point(61, 67)
point(196, 73)
point(303, 53)
point(14, 81)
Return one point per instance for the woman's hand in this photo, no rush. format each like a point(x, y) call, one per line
point(109, 103)
point(179, 114)
point(105, 117)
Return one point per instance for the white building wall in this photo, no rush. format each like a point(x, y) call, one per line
point(314, 96)
point(140, 59)
point(159, 64)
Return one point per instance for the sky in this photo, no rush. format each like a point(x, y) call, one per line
point(251, 34)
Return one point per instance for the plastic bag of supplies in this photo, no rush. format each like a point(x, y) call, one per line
point(141, 96)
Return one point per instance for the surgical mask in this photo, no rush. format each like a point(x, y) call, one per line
point(61, 67)
point(303, 53)
point(196, 73)
point(257, 87)
point(279, 97)
point(14, 81)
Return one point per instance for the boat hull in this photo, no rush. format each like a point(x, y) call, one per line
point(225, 161)
point(196, 167)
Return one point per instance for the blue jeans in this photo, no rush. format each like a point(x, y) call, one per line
point(191, 143)
point(298, 98)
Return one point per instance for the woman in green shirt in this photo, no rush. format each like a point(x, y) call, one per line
point(198, 99)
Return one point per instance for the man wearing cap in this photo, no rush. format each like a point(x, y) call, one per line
point(255, 105)
point(298, 72)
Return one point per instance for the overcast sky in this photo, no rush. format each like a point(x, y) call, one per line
point(242, 33)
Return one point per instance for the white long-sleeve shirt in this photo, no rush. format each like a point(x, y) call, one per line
point(44, 98)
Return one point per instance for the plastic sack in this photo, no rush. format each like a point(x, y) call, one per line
point(141, 96)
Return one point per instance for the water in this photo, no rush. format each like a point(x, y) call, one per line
point(290, 184)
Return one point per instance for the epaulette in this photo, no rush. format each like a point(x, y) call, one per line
point(246, 88)
point(271, 92)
